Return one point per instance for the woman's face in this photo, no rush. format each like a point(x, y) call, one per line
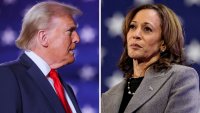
point(144, 35)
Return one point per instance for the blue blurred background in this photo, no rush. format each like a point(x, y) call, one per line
point(81, 75)
point(113, 13)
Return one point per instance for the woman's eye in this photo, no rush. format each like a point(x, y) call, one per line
point(147, 29)
point(131, 26)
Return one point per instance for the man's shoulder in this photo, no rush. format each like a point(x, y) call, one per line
point(21, 61)
point(6, 71)
point(14, 66)
point(9, 64)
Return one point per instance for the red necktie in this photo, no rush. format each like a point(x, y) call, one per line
point(60, 91)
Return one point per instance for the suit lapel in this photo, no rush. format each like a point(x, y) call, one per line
point(43, 85)
point(71, 95)
point(151, 83)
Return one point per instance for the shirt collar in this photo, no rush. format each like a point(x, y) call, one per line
point(42, 65)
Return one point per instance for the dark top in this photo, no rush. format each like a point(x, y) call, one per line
point(133, 84)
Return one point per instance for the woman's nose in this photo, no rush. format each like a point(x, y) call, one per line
point(137, 33)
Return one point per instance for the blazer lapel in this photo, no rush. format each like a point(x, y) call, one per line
point(43, 84)
point(114, 97)
point(148, 88)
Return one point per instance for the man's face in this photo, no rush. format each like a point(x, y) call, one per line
point(62, 39)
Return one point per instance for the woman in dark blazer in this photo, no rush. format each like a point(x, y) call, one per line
point(156, 80)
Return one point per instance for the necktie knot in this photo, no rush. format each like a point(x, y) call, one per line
point(53, 74)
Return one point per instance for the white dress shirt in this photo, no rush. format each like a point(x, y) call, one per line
point(45, 68)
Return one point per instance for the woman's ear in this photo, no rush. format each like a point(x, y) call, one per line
point(42, 38)
point(162, 46)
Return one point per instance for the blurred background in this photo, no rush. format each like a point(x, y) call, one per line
point(112, 15)
point(82, 75)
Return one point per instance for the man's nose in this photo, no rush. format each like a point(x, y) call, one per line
point(76, 38)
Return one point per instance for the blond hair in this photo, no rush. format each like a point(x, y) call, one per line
point(38, 17)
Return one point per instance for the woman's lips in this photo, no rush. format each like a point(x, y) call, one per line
point(135, 46)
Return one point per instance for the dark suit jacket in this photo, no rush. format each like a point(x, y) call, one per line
point(24, 89)
point(172, 91)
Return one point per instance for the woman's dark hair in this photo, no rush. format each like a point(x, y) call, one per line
point(172, 34)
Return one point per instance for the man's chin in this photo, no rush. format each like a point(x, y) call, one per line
point(63, 63)
point(70, 61)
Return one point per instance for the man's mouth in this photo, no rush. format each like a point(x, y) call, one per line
point(71, 51)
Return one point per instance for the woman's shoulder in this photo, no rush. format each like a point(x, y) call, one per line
point(184, 72)
point(182, 68)
point(118, 87)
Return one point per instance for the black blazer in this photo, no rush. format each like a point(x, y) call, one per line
point(24, 89)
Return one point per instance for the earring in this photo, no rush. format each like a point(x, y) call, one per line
point(162, 47)
point(163, 50)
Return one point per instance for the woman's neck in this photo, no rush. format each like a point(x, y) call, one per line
point(140, 67)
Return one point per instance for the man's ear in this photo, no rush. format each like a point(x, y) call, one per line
point(42, 38)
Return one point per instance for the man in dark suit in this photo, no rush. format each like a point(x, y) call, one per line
point(31, 83)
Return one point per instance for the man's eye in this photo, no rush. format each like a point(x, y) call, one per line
point(70, 31)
